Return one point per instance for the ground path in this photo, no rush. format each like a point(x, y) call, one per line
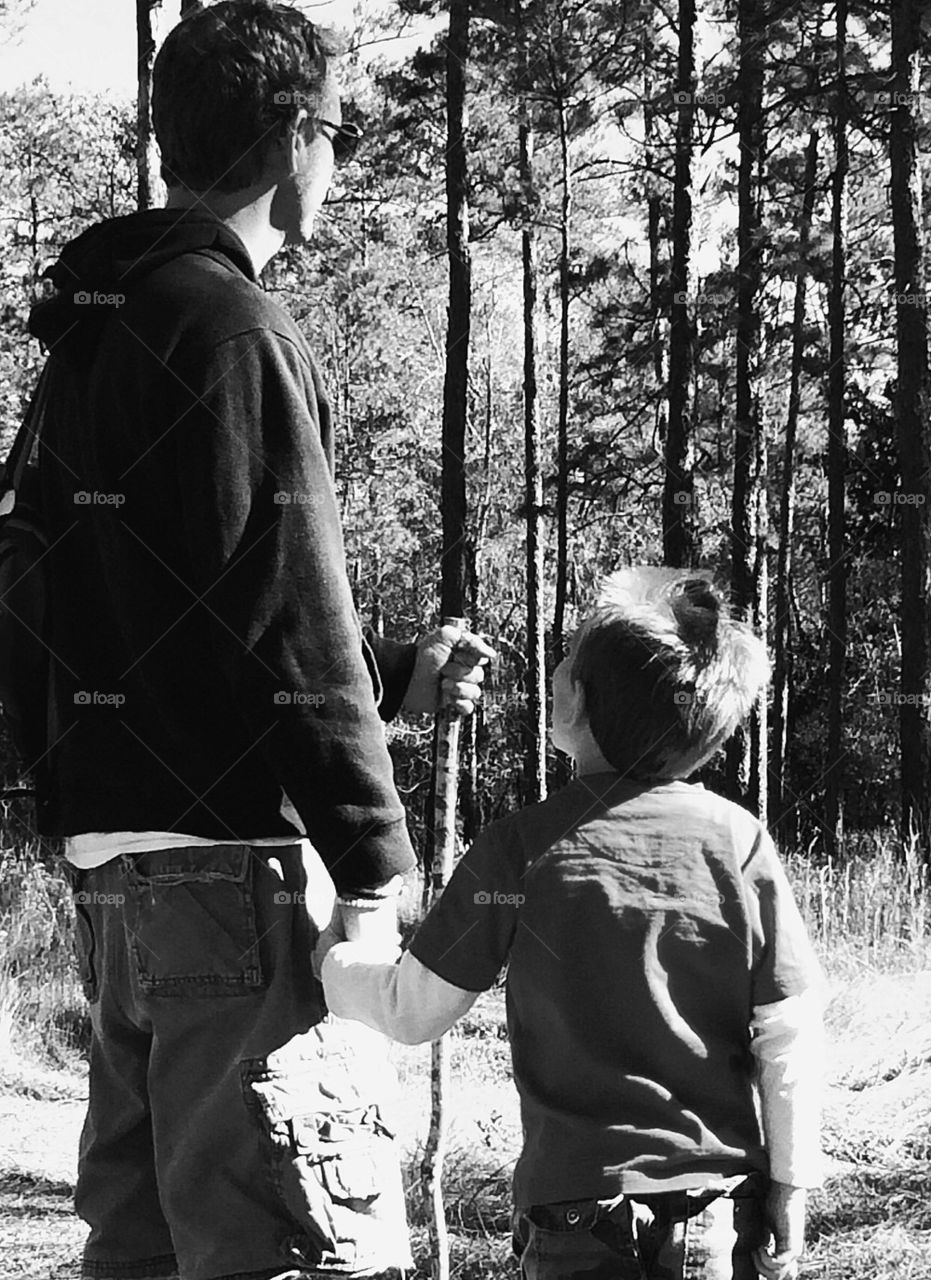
point(872, 1221)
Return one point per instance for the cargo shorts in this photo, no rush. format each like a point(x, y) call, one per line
point(234, 1129)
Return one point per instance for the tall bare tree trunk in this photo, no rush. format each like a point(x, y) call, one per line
point(654, 211)
point(458, 329)
point(913, 415)
point(535, 723)
point(748, 428)
point(150, 190)
point(837, 451)
point(782, 653)
point(680, 535)
point(472, 793)
point(562, 427)
point(759, 720)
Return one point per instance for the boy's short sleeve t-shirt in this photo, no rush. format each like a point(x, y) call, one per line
point(640, 927)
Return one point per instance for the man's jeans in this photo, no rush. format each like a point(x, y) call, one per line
point(674, 1236)
point(233, 1129)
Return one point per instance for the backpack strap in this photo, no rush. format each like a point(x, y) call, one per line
point(22, 447)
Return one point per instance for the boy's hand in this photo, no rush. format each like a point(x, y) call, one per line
point(785, 1212)
point(326, 941)
point(453, 660)
point(373, 921)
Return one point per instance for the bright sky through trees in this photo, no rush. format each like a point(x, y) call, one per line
point(92, 44)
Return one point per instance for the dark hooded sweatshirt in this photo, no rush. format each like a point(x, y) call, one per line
point(207, 651)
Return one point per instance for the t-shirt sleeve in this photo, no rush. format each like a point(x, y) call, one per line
point(467, 934)
point(394, 665)
point(784, 963)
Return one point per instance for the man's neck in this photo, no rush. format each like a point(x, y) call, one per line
point(245, 212)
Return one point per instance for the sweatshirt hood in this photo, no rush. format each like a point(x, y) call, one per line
point(97, 270)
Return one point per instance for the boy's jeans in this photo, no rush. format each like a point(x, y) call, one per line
point(678, 1235)
point(233, 1129)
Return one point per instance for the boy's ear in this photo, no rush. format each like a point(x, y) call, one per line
point(576, 713)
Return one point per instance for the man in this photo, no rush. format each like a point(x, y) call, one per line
point(216, 699)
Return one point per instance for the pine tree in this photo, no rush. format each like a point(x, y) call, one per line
point(782, 631)
point(746, 753)
point(913, 416)
point(679, 514)
point(150, 188)
point(535, 682)
point(837, 446)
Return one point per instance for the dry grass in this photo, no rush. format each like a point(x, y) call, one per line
point(40, 1237)
point(43, 1017)
point(869, 913)
point(870, 917)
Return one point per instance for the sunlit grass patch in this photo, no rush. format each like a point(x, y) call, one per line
point(870, 909)
point(40, 1236)
point(886, 1252)
point(43, 1015)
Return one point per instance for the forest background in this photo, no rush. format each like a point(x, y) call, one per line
point(716, 319)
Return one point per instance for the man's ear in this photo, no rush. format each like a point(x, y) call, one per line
point(295, 138)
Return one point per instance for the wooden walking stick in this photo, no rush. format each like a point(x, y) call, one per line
point(453, 508)
point(445, 797)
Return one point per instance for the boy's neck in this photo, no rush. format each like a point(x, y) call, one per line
point(592, 761)
point(588, 759)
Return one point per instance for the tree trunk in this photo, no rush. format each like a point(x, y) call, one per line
point(150, 190)
point(472, 791)
point(456, 385)
point(535, 721)
point(912, 409)
point(654, 211)
point(748, 425)
point(562, 429)
point(837, 452)
point(759, 720)
point(782, 654)
point(679, 515)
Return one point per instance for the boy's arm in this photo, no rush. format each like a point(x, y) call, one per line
point(458, 951)
point(406, 1001)
point(787, 1043)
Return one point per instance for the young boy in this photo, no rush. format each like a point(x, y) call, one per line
point(657, 966)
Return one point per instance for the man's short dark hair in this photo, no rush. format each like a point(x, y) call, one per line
point(667, 676)
point(228, 80)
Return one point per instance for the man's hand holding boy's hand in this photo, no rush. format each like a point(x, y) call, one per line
point(370, 921)
point(785, 1212)
point(453, 661)
point(373, 922)
point(327, 939)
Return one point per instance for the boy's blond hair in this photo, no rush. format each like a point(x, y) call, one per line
point(666, 674)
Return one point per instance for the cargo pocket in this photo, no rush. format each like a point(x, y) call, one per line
point(332, 1158)
point(191, 921)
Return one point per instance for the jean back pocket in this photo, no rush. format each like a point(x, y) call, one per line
point(191, 921)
